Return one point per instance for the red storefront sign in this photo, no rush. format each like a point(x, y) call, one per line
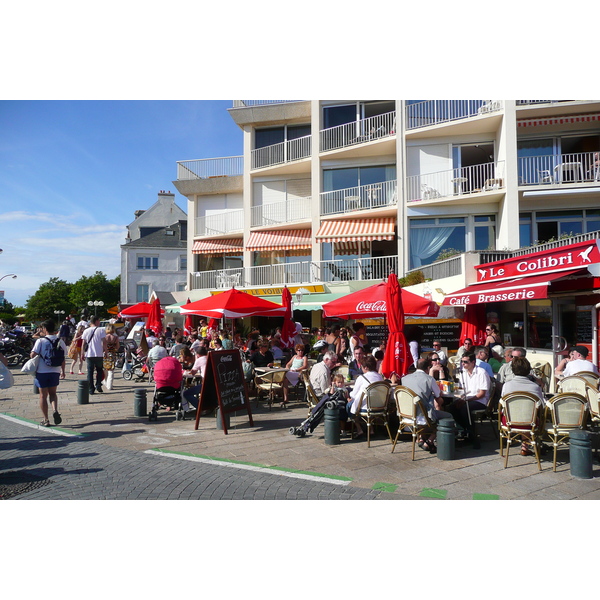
point(565, 258)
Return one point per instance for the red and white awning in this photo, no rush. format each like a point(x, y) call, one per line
point(222, 246)
point(562, 120)
point(285, 239)
point(357, 230)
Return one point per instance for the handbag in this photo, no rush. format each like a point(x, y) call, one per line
point(31, 365)
point(6, 377)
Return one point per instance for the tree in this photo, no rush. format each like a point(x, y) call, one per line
point(52, 295)
point(96, 287)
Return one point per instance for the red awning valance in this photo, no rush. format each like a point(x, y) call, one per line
point(357, 230)
point(222, 246)
point(561, 120)
point(521, 288)
point(285, 239)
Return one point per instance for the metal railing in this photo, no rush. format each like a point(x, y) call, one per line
point(559, 168)
point(281, 153)
point(448, 267)
point(527, 102)
point(364, 197)
point(433, 112)
point(358, 132)
point(204, 168)
point(246, 103)
point(454, 182)
point(220, 223)
point(276, 213)
point(351, 269)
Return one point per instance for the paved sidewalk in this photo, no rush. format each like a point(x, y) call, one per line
point(108, 420)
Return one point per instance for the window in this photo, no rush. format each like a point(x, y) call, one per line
point(276, 135)
point(183, 262)
point(142, 292)
point(145, 263)
point(544, 226)
point(181, 286)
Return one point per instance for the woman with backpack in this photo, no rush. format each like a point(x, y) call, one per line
point(51, 368)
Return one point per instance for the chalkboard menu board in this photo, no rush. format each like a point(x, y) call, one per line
point(224, 385)
point(584, 325)
point(446, 331)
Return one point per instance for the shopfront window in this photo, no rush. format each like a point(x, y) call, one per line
point(545, 226)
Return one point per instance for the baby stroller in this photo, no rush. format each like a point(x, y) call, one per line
point(168, 378)
point(135, 363)
point(338, 398)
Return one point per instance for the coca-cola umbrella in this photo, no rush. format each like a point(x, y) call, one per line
point(189, 323)
point(233, 304)
point(473, 325)
point(137, 311)
point(395, 359)
point(288, 331)
point(370, 302)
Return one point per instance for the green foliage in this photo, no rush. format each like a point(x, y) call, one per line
point(96, 287)
point(411, 279)
point(52, 295)
point(447, 253)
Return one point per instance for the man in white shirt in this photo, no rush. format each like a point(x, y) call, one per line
point(476, 384)
point(157, 352)
point(320, 374)
point(579, 362)
point(369, 375)
point(94, 352)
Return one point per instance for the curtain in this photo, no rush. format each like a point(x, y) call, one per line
point(427, 241)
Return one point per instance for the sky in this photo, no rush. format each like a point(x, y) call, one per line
point(72, 174)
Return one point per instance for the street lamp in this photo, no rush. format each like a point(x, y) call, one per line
point(58, 314)
point(95, 304)
point(9, 275)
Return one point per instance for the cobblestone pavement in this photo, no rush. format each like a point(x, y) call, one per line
point(108, 426)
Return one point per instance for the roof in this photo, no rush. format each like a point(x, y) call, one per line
point(159, 239)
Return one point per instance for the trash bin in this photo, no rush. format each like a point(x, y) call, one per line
point(220, 419)
point(580, 454)
point(83, 392)
point(332, 424)
point(139, 403)
point(446, 431)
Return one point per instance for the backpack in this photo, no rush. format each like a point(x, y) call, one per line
point(55, 356)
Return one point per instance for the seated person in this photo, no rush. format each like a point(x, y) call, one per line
point(579, 362)
point(355, 366)
point(481, 360)
point(186, 358)
point(378, 356)
point(276, 350)
point(466, 347)
point(560, 367)
point(522, 383)
point(476, 384)
point(199, 367)
point(262, 357)
point(297, 364)
point(496, 360)
point(369, 375)
point(156, 353)
point(437, 347)
point(320, 374)
point(339, 393)
point(436, 369)
point(426, 387)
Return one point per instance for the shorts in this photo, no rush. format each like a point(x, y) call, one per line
point(46, 380)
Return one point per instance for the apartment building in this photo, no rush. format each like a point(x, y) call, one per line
point(330, 196)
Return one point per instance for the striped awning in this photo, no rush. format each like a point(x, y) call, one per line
point(357, 230)
point(558, 120)
point(285, 239)
point(222, 246)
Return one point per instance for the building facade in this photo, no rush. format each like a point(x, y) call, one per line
point(336, 194)
point(154, 257)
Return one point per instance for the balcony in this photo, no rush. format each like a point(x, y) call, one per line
point(475, 179)
point(435, 112)
point(220, 223)
point(282, 153)
point(364, 197)
point(206, 168)
point(559, 169)
point(279, 213)
point(326, 271)
point(358, 132)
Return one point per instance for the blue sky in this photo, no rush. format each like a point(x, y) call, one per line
point(72, 173)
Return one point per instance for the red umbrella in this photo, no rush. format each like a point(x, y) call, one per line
point(288, 331)
point(233, 304)
point(189, 323)
point(154, 321)
point(371, 302)
point(395, 359)
point(142, 309)
point(473, 325)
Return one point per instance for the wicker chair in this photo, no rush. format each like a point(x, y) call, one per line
point(577, 384)
point(270, 382)
point(373, 407)
point(311, 396)
point(412, 414)
point(590, 377)
point(518, 417)
point(489, 411)
point(567, 411)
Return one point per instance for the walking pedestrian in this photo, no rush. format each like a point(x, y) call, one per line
point(94, 353)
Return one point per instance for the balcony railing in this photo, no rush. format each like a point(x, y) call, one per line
point(277, 213)
point(204, 168)
point(220, 223)
point(455, 182)
point(246, 103)
point(364, 197)
point(351, 269)
point(440, 269)
point(559, 168)
point(281, 153)
point(433, 112)
point(358, 132)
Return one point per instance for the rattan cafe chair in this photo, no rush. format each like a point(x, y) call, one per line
point(412, 415)
point(270, 382)
point(374, 407)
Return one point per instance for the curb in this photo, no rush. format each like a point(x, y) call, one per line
point(35, 425)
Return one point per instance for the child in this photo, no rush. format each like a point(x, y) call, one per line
point(339, 394)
